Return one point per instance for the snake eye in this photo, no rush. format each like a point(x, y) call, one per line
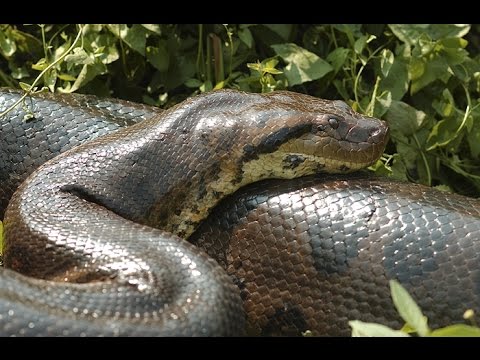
point(333, 121)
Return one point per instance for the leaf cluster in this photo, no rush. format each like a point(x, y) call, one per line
point(423, 79)
point(415, 322)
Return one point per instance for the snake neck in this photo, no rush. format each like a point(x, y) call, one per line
point(170, 171)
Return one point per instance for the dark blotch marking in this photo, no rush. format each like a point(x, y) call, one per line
point(273, 141)
point(202, 188)
point(289, 321)
point(292, 161)
point(344, 168)
point(240, 283)
point(250, 152)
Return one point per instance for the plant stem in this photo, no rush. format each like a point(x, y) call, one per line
point(29, 91)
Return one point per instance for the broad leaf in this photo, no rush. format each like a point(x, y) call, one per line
point(410, 33)
point(79, 57)
point(386, 61)
point(282, 30)
point(338, 57)
point(408, 308)
point(155, 28)
point(7, 45)
point(473, 139)
point(135, 37)
point(303, 65)
point(88, 72)
point(423, 72)
point(158, 57)
point(246, 36)
point(403, 118)
point(457, 330)
point(361, 329)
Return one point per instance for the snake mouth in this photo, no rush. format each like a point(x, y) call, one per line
point(329, 154)
point(319, 150)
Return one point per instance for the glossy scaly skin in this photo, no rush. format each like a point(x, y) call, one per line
point(316, 252)
point(82, 221)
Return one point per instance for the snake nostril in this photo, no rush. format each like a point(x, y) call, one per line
point(375, 131)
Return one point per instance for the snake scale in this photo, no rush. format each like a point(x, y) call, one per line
point(94, 234)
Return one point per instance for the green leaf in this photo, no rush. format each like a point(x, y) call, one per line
point(155, 28)
point(40, 65)
point(396, 80)
point(135, 37)
point(268, 66)
point(246, 36)
point(66, 77)
point(423, 73)
point(399, 170)
point(386, 61)
point(179, 71)
point(349, 29)
point(379, 168)
point(360, 44)
point(473, 138)
point(19, 72)
point(338, 57)
point(360, 328)
point(383, 103)
point(206, 86)
point(457, 330)
point(403, 118)
point(193, 83)
point(406, 328)
point(102, 46)
point(88, 72)
point(282, 30)
point(340, 86)
point(219, 85)
point(24, 86)
point(442, 133)
point(453, 50)
point(303, 65)
point(408, 309)
point(7, 45)
point(410, 33)
point(50, 79)
point(158, 57)
point(79, 57)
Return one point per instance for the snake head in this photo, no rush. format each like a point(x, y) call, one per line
point(302, 135)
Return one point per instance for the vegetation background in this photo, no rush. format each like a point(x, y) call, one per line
point(423, 79)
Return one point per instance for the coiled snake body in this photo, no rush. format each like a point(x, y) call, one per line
point(93, 237)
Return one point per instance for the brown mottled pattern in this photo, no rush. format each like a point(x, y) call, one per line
point(81, 247)
point(313, 253)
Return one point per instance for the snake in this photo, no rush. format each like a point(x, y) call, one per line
point(103, 194)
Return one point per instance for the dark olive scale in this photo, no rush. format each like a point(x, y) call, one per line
point(299, 255)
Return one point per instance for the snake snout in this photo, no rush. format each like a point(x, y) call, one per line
point(370, 130)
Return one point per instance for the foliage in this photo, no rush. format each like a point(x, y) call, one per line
point(416, 322)
point(423, 79)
